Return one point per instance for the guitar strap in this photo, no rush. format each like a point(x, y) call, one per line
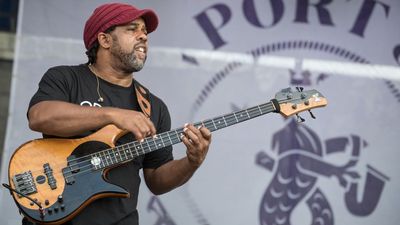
point(143, 98)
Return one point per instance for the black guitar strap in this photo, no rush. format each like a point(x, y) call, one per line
point(143, 98)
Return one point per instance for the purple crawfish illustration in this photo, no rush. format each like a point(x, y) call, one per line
point(300, 163)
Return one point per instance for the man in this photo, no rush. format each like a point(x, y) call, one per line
point(115, 36)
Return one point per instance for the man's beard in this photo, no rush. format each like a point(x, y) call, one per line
point(128, 61)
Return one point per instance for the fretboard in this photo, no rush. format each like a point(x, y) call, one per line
point(126, 152)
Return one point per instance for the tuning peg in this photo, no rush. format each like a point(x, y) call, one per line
point(312, 115)
point(299, 89)
point(299, 118)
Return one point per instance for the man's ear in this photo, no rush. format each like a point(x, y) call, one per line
point(104, 40)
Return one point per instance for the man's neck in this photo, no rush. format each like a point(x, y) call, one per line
point(111, 75)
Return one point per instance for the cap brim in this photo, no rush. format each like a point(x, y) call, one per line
point(150, 18)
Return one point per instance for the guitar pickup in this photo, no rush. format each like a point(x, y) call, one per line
point(49, 174)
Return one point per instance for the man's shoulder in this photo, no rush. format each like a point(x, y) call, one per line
point(66, 72)
point(67, 69)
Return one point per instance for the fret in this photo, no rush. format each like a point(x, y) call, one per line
point(118, 153)
point(264, 106)
point(177, 135)
point(248, 116)
point(144, 152)
point(214, 125)
point(254, 112)
point(153, 141)
point(162, 142)
point(207, 125)
point(122, 153)
point(103, 159)
point(169, 137)
point(130, 151)
point(126, 152)
point(113, 156)
point(250, 113)
point(259, 110)
point(229, 120)
point(223, 117)
point(156, 144)
point(218, 123)
point(141, 148)
point(237, 121)
point(137, 148)
point(159, 142)
point(109, 157)
point(241, 116)
point(131, 148)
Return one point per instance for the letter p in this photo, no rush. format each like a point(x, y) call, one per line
point(210, 29)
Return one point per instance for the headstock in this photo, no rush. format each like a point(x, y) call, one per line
point(292, 102)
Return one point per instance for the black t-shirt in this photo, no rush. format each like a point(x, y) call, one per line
point(78, 85)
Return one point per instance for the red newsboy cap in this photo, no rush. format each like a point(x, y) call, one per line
point(112, 14)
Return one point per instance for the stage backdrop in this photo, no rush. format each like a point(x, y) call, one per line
point(208, 58)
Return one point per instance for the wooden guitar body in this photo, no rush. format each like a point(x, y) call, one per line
point(62, 188)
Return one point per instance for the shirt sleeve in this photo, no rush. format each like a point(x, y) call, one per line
point(163, 155)
point(54, 85)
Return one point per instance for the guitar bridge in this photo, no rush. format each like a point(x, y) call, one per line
point(24, 183)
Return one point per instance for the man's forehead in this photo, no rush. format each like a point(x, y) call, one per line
point(138, 21)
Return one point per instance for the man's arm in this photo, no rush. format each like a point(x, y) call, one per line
point(177, 172)
point(65, 119)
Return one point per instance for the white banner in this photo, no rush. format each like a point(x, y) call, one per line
point(208, 58)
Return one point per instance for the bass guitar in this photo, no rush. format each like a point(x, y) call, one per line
point(52, 180)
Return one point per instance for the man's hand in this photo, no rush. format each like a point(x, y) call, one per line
point(177, 172)
point(197, 141)
point(133, 121)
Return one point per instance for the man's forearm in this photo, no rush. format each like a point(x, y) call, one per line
point(169, 176)
point(66, 119)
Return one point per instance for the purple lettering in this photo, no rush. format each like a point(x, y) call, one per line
point(323, 14)
point(210, 28)
point(250, 13)
point(365, 14)
point(396, 54)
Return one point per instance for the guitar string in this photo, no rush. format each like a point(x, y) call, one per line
point(179, 130)
point(90, 166)
point(150, 142)
point(232, 116)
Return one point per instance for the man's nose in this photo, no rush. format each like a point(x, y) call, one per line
point(142, 36)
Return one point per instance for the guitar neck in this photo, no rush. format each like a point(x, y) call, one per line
point(126, 152)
